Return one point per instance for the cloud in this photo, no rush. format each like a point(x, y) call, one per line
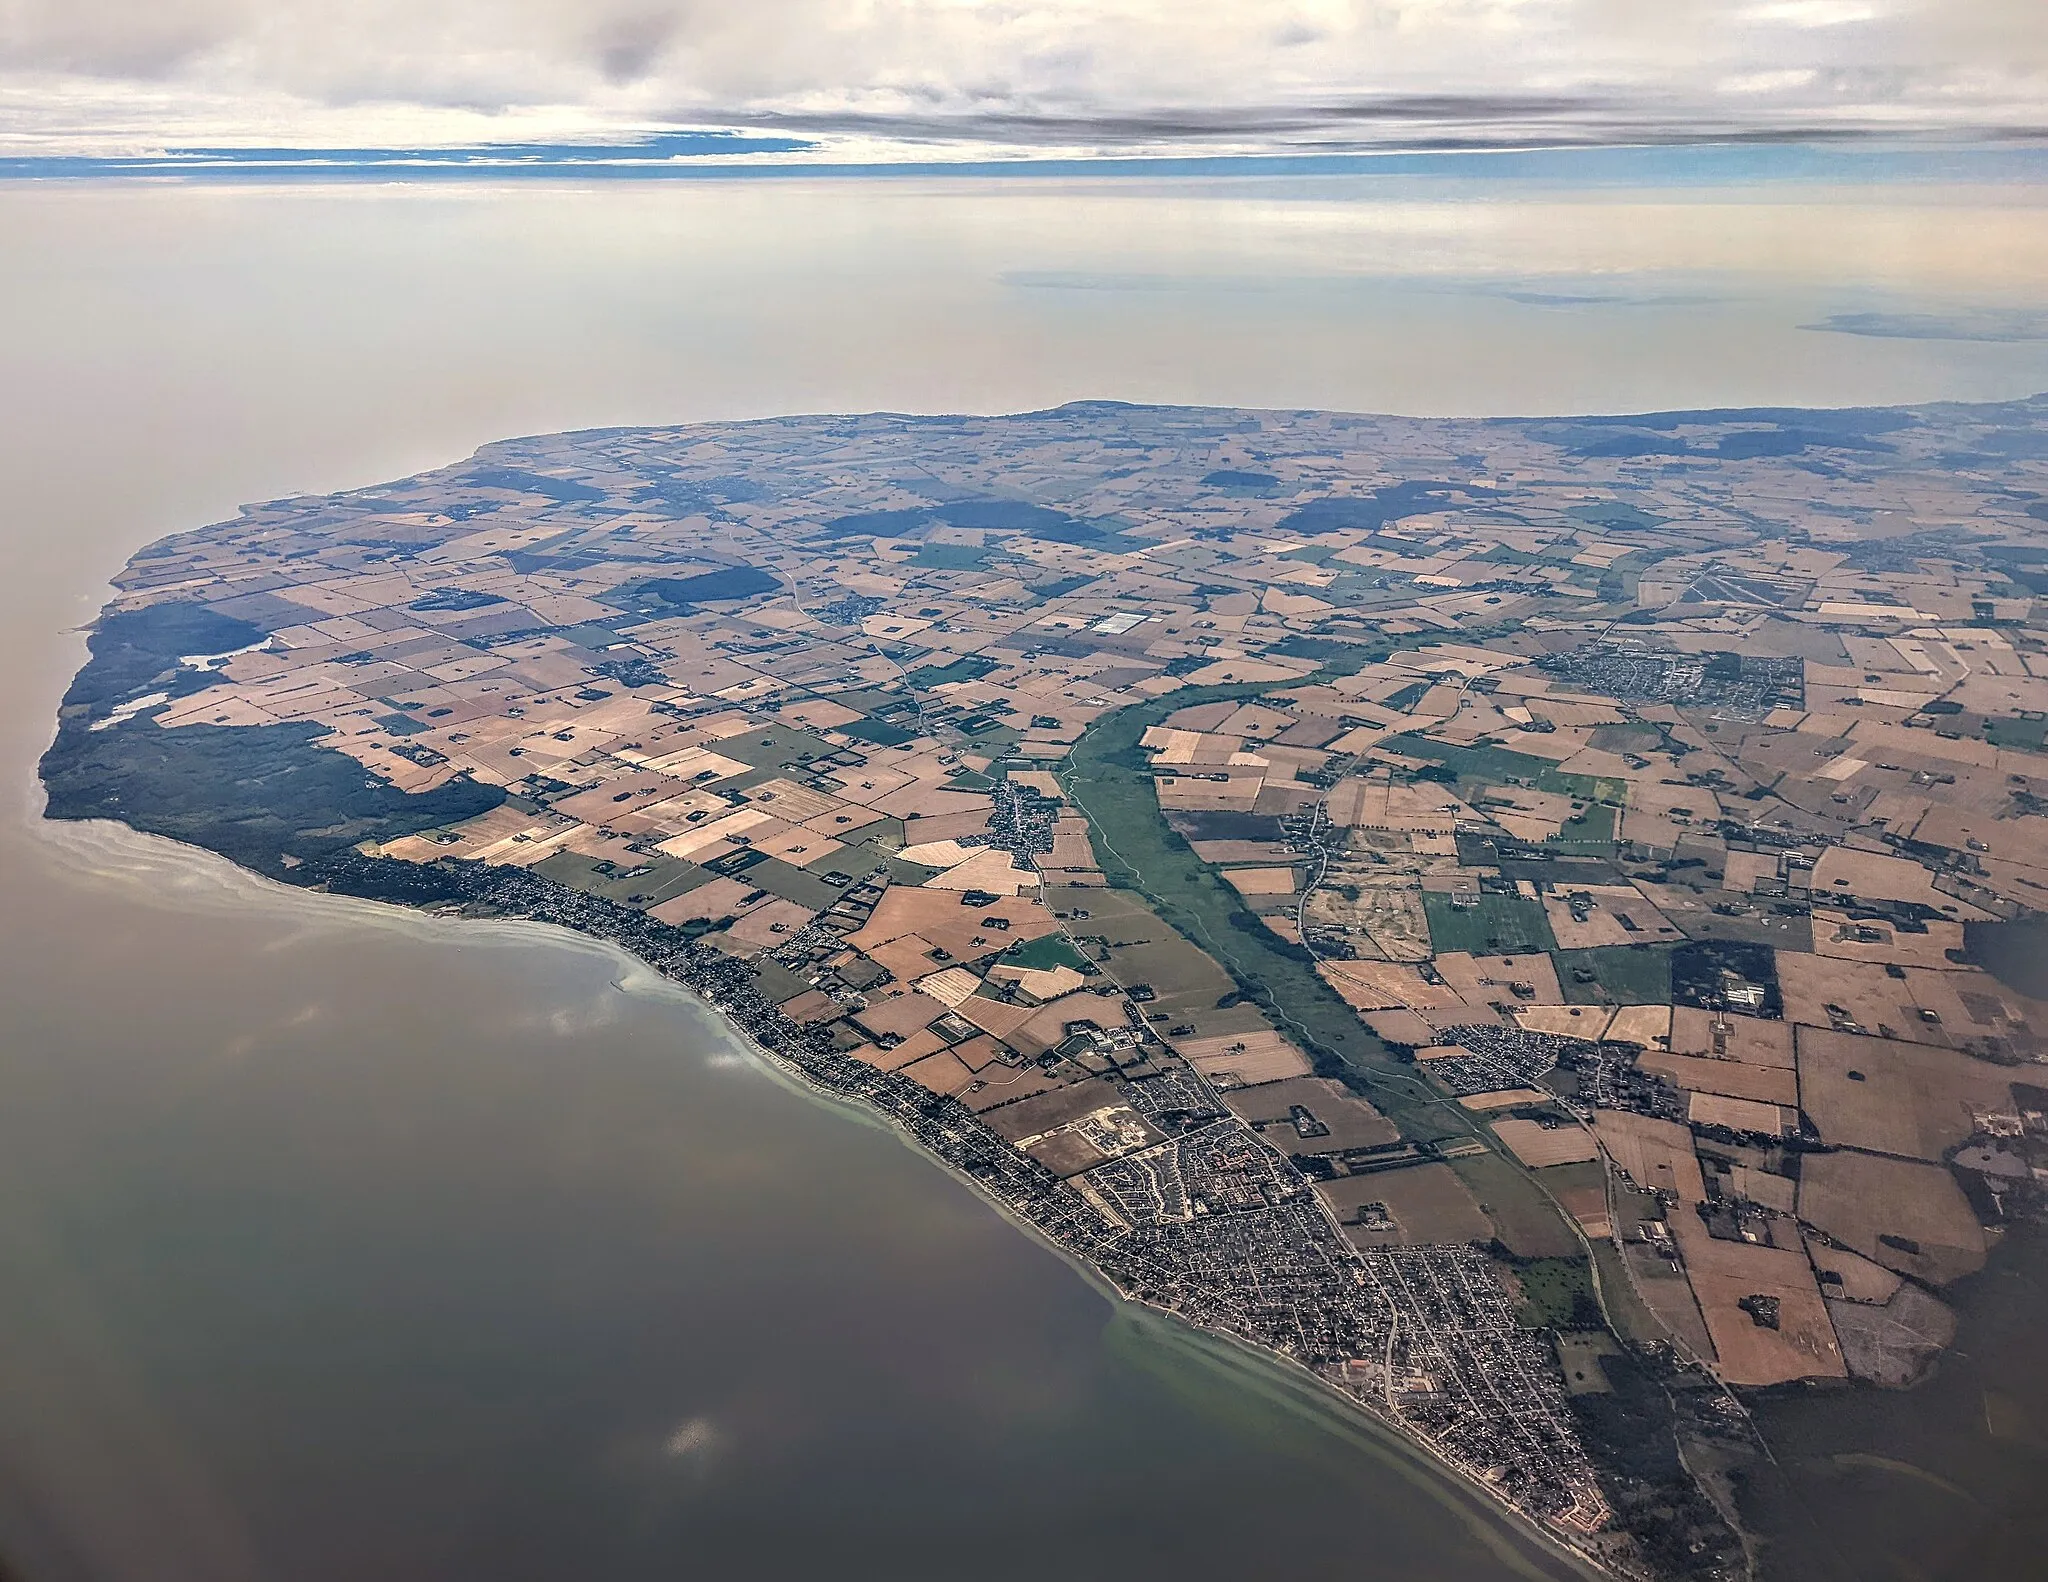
point(1811, 13)
point(1333, 126)
point(146, 42)
point(1769, 81)
point(629, 47)
point(1032, 74)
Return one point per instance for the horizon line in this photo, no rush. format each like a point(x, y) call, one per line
point(731, 155)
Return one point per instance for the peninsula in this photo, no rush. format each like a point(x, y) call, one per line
point(1479, 910)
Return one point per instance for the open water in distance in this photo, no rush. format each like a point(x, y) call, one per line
point(334, 1244)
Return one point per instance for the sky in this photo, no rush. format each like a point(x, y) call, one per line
point(841, 80)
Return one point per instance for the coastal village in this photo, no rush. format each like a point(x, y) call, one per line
point(1489, 912)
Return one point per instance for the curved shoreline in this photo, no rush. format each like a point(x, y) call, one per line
point(1517, 1540)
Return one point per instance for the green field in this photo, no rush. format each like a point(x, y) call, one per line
point(1526, 1221)
point(773, 746)
point(664, 879)
point(1043, 954)
point(1623, 974)
point(792, 884)
point(952, 557)
point(989, 736)
point(970, 668)
point(1613, 513)
point(1107, 778)
point(1587, 834)
point(2023, 734)
point(1494, 925)
point(879, 732)
point(1631, 1318)
point(1557, 1293)
point(1478, 766)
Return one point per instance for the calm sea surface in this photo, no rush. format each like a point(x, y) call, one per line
point(334, 1244)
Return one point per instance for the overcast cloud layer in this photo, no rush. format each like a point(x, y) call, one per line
point(925, 78)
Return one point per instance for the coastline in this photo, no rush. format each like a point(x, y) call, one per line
point(1504, 1530)
point(228, 885)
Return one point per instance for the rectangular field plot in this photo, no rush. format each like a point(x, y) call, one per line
point(1615, 974)
point(1487, 924)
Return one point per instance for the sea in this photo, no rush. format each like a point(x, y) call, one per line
point(339, 1243)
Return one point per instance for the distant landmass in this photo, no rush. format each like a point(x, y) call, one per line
point(1984, 324)
point(1475, 909)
